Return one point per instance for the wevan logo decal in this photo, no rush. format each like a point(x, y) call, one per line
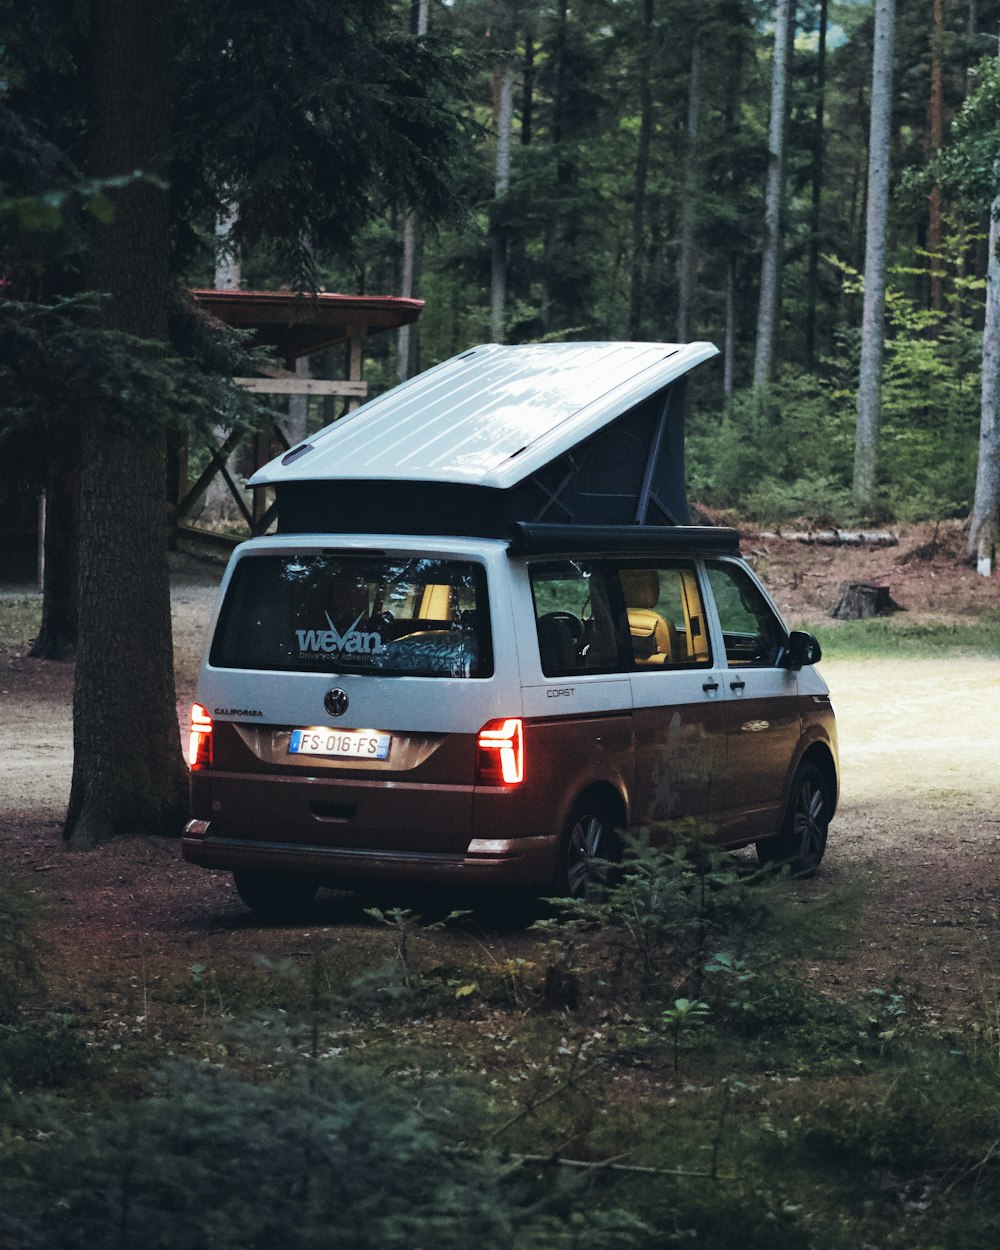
point(352, 641)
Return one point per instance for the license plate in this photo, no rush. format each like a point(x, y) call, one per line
point(352, 744)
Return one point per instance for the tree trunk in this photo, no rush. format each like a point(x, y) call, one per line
point(767, 309)
point(686, 259)
point(228, 275)
point(528, 90)
point(935, 133)
point(296, 424)
point(819, 152)
point(553, 245)
point(503, 119)
point(729, 343)
point(985, 531)
point(58, 633)
point(641, 172)
point(128, 773)
point(406, 335)
point(873, 317)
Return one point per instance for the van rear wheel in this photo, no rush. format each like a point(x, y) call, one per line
point(589, 846)
point(274, 896)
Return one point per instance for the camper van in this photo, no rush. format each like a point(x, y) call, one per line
point(485, 643)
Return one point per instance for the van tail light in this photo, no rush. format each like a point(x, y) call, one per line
point(200, 741)
point(500, 753)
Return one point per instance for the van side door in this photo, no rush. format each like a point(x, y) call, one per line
point(761, 702)
point(678, 702)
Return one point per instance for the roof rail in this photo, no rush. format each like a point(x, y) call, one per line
point(539, 538)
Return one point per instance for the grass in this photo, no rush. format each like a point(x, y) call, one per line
point(20, 618)
point(893, 638)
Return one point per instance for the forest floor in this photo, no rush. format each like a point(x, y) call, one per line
point(915, 844)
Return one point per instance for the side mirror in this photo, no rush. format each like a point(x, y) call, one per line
point(803, 649)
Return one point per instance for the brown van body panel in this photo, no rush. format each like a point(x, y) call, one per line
point(592, 750)
point(336, 819)
point(764, 736)
point(680, 757)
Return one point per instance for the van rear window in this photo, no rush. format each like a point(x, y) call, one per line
point(361, 614)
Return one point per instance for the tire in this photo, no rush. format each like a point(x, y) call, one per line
point(801, 840)
point(589, 834)
point(274, 896)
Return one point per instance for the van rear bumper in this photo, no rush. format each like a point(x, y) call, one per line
point(486, 862)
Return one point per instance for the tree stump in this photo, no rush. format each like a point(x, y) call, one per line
point(860, 600)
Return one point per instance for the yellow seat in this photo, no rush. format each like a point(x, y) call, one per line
point(654, 640)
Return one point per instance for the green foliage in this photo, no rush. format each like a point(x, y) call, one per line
point(45, 1051)
point(44, 1054)
point(672, 901)
point(356, 116)
point(323, 1156)
point(778, 453)
point(936, 1114)
point(684, 1016)
point(786, 1022)
point(787, 452)
point(19, 973)
point(969, 166)
point(20, 617)
point(57, 367)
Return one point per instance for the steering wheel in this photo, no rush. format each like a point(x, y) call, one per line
point(572, 622)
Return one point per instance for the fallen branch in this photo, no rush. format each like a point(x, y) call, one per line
point(555, 1159)
point(836, 538)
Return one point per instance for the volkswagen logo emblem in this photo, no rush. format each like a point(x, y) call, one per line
point(336, 701)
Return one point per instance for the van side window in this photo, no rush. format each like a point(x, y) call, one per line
point(579, 630)
point(666, 617)
point(754, 636)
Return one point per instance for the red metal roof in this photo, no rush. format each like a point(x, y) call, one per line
point(297, 324)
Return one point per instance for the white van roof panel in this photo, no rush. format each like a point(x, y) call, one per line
point(490, 417)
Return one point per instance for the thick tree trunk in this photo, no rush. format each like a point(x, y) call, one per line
point(641, 173)
point(873, 317)
point(984, 534)
point(128, 773)
point(767, 309)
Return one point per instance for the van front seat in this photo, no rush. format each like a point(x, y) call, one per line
point(654, 640)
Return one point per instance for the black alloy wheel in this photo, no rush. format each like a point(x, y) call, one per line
point(590, 846)
point(801, 840)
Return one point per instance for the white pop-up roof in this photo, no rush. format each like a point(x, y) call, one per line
point(490, 417)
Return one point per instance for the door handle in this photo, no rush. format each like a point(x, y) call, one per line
point(739, 684)
point(710, 687)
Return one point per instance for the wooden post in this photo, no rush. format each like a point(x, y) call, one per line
point(261, 455)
